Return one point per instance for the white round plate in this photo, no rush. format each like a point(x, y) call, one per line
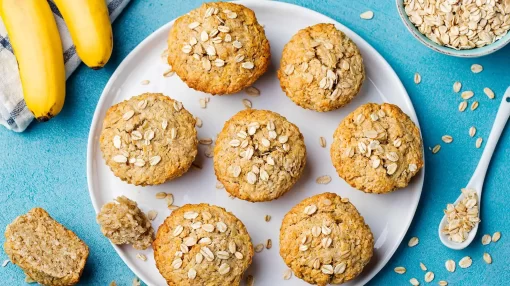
point(388, 215)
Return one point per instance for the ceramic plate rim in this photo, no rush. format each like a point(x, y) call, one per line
point(106, 91)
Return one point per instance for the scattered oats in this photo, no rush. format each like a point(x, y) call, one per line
point(250, 281)
point(417, 78)
point(169, 199)
point(457, 86)
point(205, 141)
point(442, 283)
point(322, 142)
point(478, 143)
point(400, 270)
point(476, 68)
point(267, 218)
point(487, 258)
point(311, 209)
point(247, 103)
point(462, 106)
point(168, 73)
point(472, 131)
point(259, 247)
point(5, 262)
point(128, 115)
point(323, 180)
point(486, 239)
point(269, 243)
point(219, 185)
point(496, 236)
point(247, 65)
point(447, 139)
point(414, 282)
point(145, 82)
point(489, 92)
point(465, 262)
point(327, 269)
point(423, 267)
point(436, 149)
point(368, 15)
point(203, 103)
point(413, 242)
point(152, 214)
point(450, 265)
point(467, 94)
point(141, 256)
point(252, 91)
point(177, 106)
point(198, 122)
point(429, 276)
point(287, 274)
point(474, 105)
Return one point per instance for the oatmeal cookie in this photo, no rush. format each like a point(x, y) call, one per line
point(219, 48)
point(377, 148)
point(259, 155)
point(122, 222)
point(202, 245)
point(45, 250)
point(324, 240)
point(321, 68)
point(148, 139)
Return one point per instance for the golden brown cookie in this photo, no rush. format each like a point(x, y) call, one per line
point(259, 155)
point(219, 48)
point(321, 68)
point(202, 245)
point(324, 240)
point(377, 148)
point(122, 222)
point(148, 139)
point(45, 250)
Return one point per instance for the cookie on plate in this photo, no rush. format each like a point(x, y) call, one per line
point(321, 68)
point(148, 139)
point(202, 245)
point(122, 222)
point(219, 48)
point(324, 240)
point(45, 250)
point(259, 155)
point(377, 148)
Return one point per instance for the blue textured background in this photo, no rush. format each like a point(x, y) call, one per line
point(45, 166)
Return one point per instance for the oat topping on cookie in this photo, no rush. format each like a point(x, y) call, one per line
point(148, 139)
point(324, 240)
point(321, 68)
point(218, 43)
point(206, 244)
point(377, 148)
point(124, 223)
point(259, 155)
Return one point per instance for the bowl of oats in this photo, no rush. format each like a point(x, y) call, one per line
point(460, 28)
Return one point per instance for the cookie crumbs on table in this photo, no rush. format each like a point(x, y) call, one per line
point(124, 223)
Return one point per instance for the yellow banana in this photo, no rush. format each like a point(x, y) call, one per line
point(89, 25)
point(36, 43)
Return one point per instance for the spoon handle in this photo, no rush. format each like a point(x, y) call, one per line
point(497, 128)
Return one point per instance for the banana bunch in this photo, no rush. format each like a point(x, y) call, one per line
point(38, 49)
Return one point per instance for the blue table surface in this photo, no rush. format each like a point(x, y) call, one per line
point(46, 165)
